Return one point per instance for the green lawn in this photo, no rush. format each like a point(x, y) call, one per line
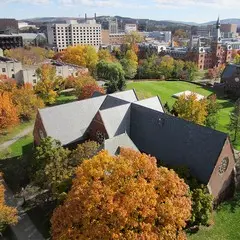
point(62, 98)
point(14, 131)
point(165, 90)
point(226, 224)
point(24, 144)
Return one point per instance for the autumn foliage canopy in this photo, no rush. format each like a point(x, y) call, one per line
point(8, 111)
point(8, 215)
point(123, 197)
point(189, 108)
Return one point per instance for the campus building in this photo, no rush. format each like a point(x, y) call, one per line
point(73, 33)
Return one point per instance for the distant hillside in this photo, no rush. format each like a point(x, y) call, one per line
point(151, 24)
point(225, 21)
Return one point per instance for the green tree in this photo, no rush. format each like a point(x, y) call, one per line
point(83, 151)
point(191, 70)
point(51, 168)
point(234, 125)
point(236, 59)
point(178, 69)
point(166, 66)
point(54, 166)
point(212, 112)
point(114, 75)
point(202, 207)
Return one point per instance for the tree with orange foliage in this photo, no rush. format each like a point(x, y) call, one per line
point(8, 111)
point(8, 215)
point(26, 101)
point(89, 89)
point(81, 82)
point(7, 84)
point(189, 108)
point(123, 197)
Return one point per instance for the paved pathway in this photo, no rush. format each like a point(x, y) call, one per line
point(24, 229)
point(16, 138)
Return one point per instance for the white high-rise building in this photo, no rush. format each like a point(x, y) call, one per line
point(73, 33)
point(130, 28)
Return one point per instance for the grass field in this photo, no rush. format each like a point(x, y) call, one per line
point(226, 223)
point(14, 131)
point(16, 149)
point(61, 99)
point(165, 90)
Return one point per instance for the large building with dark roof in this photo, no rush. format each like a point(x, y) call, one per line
point(121, 120)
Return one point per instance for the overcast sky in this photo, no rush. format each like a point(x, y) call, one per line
point(180, 10)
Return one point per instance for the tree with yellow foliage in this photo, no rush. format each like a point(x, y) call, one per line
point(123, 197)
point(81, 55)
point(49, 83)
point(8, 111)
point(27, 101)
point(8, 215)
point(189, 108)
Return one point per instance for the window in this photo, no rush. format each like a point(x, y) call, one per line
point(34, 81)
point(223, 166)
point(3, 69)
point(13, 75)
point(41, 134)
point(100, 136)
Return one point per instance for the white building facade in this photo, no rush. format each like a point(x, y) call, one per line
point(130, 28)
point(73, 33)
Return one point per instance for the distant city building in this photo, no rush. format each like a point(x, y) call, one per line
point(164, 36)
point(73, 33)
point(130, 28)
point(105, 37)
point(148, 49)
point(33, 39)
point(229, 28)
point(202, 31)
point(25, 26)
point(113, 27)
point(217, 53)
point(8, 26)
point(10, 41)
point(117, 39)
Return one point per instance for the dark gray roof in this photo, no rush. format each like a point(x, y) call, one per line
point(111, 102)
point(175, 141)
point(116, 120)
point(68, 122)
point(229, 71)
point(123, 140)
point(152, 103)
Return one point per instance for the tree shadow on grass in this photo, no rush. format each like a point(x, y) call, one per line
point(15, 169)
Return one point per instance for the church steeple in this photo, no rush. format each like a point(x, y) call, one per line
point(218, 37)
point(218, 25)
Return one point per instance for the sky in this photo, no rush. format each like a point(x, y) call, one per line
point(176, 10)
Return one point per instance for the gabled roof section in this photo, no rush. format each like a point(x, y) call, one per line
point(111, 102)
point(175, 141)
point(230, 70)
point(116, 120)
point(152, 103)
point(68, 122)
point(112, 145)
point(129, 95)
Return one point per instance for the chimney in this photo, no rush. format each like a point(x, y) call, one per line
point(85, 17)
